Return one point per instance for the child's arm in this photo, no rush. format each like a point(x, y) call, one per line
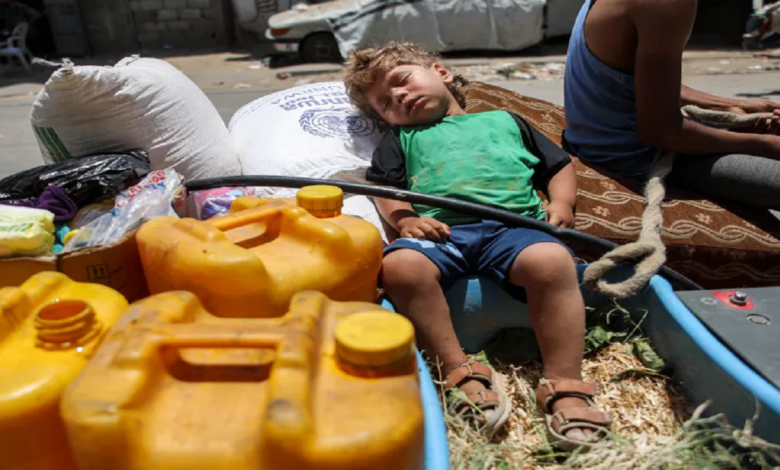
point(402, 217)
point(554, 173)
point(562, 190)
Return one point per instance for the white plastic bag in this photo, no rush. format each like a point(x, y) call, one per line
point(361, 206)
point(310, 131)
point(137, 104)
point(150, 198)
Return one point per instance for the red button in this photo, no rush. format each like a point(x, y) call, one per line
point(725, 297)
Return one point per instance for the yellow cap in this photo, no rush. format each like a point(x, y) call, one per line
point(321, 200)
point(377, 338)
point(70, 235)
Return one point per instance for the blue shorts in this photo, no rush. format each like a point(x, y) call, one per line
point(485, 248)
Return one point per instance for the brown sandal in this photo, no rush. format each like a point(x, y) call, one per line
point(492, 404)
point(590, 417)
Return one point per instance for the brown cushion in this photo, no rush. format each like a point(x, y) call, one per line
point(715, 245)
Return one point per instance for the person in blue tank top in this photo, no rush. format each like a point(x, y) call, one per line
point(623, 95)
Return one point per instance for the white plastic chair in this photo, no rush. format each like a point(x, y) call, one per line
point(16, 46)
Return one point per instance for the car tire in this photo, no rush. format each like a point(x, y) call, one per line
point(319, 48)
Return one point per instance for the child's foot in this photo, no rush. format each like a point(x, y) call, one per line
point(480, 385)
point(573, 420)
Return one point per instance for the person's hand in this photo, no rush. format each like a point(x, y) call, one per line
point(423, 227)
point(771, 126)
point(560, 214)
point(764, 126)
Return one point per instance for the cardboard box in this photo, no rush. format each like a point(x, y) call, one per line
point(117, 266)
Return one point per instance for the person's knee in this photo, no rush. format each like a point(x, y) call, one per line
point(543, 264)
point(408, 270)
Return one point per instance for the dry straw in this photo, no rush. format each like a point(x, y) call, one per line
point(654, 427)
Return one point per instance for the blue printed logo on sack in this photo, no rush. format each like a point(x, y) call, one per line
point(327, 112)
point(336, 122)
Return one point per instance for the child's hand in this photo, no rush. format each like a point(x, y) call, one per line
point(423, 227)
point(560, 214)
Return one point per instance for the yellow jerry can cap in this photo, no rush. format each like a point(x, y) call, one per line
point(377, 338)
point(321, 200)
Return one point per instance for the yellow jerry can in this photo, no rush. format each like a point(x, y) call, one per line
point(328, 386)
point(250, 262)
point(49, 330)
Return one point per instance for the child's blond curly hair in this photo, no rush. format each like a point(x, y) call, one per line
point(363, 66)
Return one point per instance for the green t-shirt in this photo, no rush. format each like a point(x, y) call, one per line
point(490, 158)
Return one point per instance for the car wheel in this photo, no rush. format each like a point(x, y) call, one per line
point(320, 47)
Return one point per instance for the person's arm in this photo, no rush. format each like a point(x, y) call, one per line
point(403, 218)
point(663, 27)
point(718, 103)
point(562, 190)
point(554, 173)
point(689, 96)
point(394, 211)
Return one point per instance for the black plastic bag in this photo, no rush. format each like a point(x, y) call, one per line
point(86, 180)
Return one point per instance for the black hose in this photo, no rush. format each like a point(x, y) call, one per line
point(469, 208)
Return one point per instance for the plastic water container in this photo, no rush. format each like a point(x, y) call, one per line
point(49, 330)
point(330, 385)
point(250, 262)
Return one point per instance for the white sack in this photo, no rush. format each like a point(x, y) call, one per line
point(137, 104)
point(310, 131)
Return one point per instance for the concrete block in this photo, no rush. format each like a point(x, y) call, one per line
point(148, 36)
point(202, 25)
point(200, 4)
point(189, 14)
point(153, 26)
point(151, 5)
point(179, 25)
point(145, 16)
point(167, 15)
point(136, 5)
point(174, 38)
point(175, 4)
point(208, 13)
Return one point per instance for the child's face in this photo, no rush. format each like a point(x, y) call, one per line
point(410, 95)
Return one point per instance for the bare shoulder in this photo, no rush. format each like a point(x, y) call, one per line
point(663, 13)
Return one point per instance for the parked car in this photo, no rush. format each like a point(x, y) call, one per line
point(325, 32)
point(305, 30)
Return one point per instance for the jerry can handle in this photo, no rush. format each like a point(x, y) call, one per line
point(142, 348)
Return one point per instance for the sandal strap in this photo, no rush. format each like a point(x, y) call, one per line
point(483, 399)
point(549, 391)
point(469, 371)
point(571, 416)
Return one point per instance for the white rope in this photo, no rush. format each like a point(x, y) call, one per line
point(648, 253)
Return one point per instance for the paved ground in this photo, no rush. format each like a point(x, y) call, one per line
point(231, 80)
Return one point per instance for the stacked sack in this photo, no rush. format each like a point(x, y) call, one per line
point(139, 103)
point(311, 131)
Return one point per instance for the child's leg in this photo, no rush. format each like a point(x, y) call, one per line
point(548, 273)
point(411, 281)
point(549, 276)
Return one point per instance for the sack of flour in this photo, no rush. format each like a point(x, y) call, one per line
point(310, 131)
point(137, 104)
